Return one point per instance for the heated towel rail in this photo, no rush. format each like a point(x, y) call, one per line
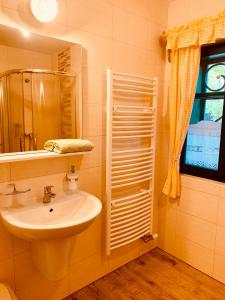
point(131, 132)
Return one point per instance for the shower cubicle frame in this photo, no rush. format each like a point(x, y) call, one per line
point(78, 112)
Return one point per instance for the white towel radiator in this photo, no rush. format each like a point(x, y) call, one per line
point(130, 157)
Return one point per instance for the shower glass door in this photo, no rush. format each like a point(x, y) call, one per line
point(46, 108)
point(15, 112)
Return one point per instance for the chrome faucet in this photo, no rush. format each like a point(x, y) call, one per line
point(48, 195)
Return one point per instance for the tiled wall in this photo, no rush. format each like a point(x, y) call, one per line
point(122, 34)
point(14, 58)
point(183, 11)
point(193, 228)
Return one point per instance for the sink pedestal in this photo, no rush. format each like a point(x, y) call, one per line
point(51, 257)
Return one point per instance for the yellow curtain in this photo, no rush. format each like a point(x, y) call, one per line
point(184, 44)
point(183, 78)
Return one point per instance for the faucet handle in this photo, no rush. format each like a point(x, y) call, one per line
point(48, 188)
point(48, 193)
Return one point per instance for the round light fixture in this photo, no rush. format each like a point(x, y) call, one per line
point(44, 10)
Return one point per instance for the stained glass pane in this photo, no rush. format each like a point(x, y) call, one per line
point(213, 110)
point(203, 138)
point(215, 77)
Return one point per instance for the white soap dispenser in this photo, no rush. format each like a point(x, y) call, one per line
point(72, 178)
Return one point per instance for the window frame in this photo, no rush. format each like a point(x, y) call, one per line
point(218, 175)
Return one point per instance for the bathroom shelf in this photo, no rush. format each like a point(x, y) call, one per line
point(33, 155)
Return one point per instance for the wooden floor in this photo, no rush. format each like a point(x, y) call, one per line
point(154, 276)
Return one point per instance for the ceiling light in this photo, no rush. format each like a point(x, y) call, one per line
point(44, 10)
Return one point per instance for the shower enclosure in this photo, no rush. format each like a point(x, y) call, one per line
point(36, 105)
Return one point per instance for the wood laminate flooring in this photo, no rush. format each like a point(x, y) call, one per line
point(153, 276)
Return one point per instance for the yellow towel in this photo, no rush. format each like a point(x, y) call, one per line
point(68, 145)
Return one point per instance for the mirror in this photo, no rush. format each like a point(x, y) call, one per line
point(40, 90)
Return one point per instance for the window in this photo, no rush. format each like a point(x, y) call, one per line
point(203, 153)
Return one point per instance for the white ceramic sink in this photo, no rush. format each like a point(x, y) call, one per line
point(65, 216)
point(50, 228)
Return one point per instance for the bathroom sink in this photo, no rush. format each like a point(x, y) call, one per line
point(51, 227)
point(65, 216)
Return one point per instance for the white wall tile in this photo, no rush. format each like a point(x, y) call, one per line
point(178, 13)
point(201, 184)
point(92, 16)
point(220, 240)
point(219, 267)
point(136, 7)
point(197, 256)
point(196, 230)
point(123, 22)
point(199, 204)
point(167, 231)
point(98, 50)
point(86, 271)
point(130, 59)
